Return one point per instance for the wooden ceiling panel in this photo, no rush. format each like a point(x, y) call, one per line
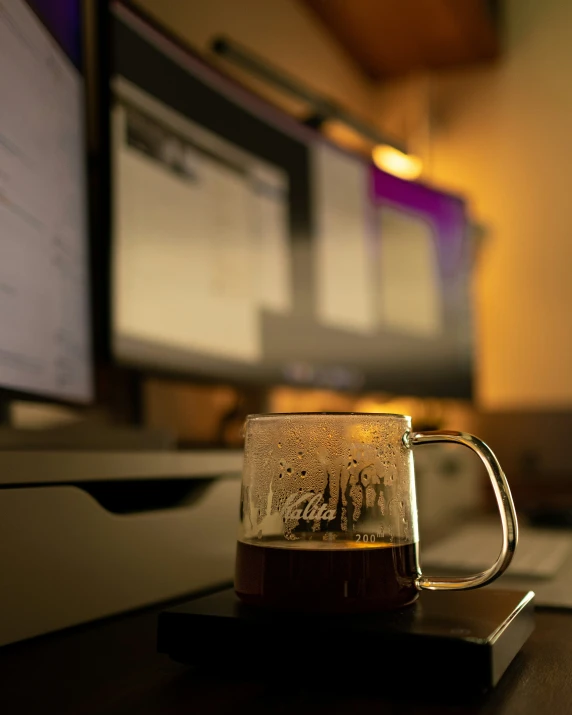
point(388, 38)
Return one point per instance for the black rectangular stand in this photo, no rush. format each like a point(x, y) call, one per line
point(458, 641)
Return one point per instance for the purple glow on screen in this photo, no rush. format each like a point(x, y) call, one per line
point(445, 212)
point(62, 18)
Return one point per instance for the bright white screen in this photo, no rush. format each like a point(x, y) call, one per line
point(201, 238)
point(44, 282)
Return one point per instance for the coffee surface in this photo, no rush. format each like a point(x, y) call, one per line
point(329, 577)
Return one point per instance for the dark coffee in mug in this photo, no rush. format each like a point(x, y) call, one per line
point(328, 517)
point(321, 577)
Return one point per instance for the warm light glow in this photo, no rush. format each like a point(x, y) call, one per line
point(396, 405)
point(395, 162)
point(346, 137)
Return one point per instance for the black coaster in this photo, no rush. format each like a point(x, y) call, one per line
point(464, 640)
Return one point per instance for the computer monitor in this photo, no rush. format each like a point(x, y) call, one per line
point(45, 332)
point(246, 247)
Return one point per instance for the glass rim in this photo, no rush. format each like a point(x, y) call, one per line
point(263, 415)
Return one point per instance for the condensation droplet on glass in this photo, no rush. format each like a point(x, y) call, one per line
point(259, 535)
point(279, 445)
point(300, 454)
point(289, 470)
point(303, 473)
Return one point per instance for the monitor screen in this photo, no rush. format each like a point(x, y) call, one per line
point(247, 247)
point(44, 280)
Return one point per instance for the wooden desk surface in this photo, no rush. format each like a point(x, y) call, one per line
point(112, 667)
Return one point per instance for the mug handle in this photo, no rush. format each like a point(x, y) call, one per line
point(504, 502)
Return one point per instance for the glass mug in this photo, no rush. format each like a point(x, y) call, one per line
point(328, 517)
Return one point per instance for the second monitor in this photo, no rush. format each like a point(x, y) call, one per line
point(248, 248)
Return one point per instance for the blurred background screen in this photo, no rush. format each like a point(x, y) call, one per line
point(248, 247)
point(45, 330)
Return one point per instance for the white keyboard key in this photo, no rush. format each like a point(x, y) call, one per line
point(539, 553)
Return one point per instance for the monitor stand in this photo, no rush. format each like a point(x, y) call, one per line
point(84, 435)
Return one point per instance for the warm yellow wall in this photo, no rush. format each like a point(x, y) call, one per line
point(504, 136)
point(282, 31)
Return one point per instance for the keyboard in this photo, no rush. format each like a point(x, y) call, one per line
point(539, 554)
